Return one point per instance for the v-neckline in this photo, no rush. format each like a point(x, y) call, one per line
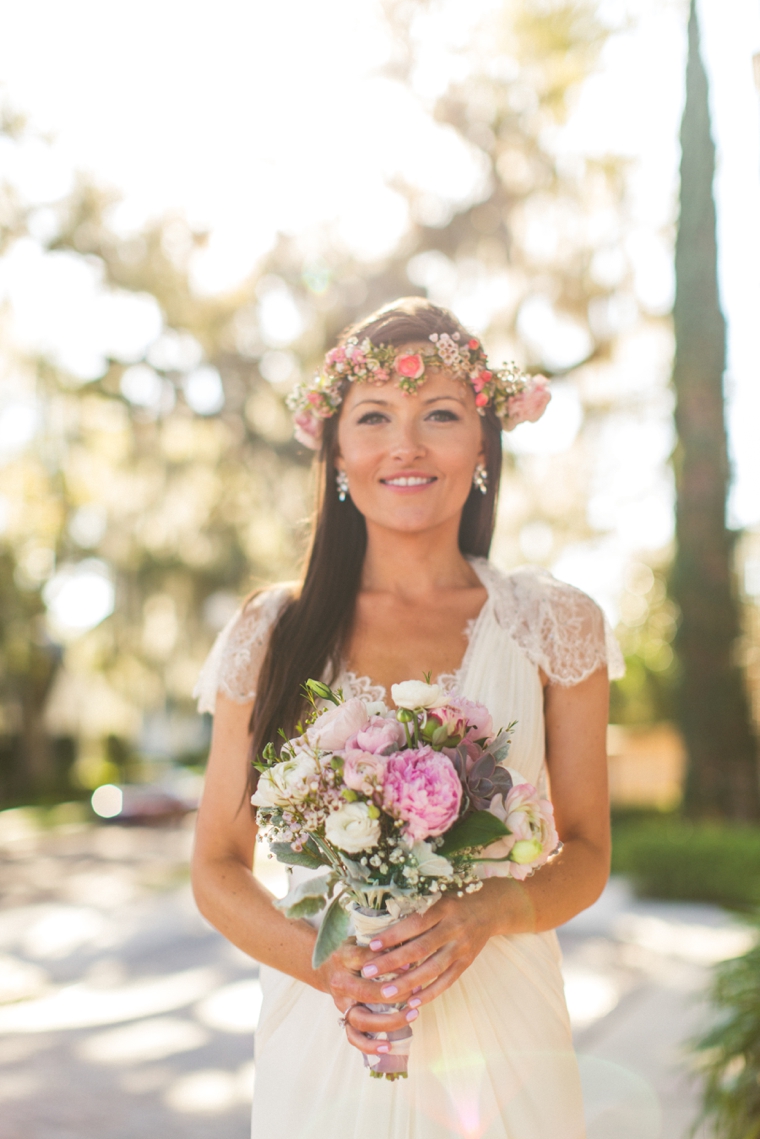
point(450, 681)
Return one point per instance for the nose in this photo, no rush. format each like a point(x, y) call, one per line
point(407, 445)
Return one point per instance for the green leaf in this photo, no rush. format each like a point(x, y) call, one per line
point(311, 888)
point(307, 907)
point(332, 933)
point(478, 829)
point(284, 852)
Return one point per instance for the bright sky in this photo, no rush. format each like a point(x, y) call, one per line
point(248, 116)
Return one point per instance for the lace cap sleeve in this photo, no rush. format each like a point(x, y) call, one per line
point(232, 666)
point(558, 626)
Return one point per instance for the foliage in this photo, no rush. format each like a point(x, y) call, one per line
point(728, 1055)
point(189, 509)
point(713, 708)
point(689, 860)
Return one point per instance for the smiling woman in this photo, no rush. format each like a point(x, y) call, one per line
point(407, 416)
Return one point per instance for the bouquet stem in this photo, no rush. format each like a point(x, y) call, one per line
point(392, 1065)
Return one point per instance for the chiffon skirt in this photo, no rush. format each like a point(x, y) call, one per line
point(491, 1058)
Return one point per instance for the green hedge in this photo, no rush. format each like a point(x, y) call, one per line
point(670, 857)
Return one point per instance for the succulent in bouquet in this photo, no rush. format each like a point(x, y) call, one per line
point(395, 808)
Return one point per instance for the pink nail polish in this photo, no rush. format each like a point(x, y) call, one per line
point(405, 967)
point(412, 1014)
point(417, 989)
point(369, 970)
point(376, 944)
point(383, 1047)
point(415, 1002)
point(389, 991)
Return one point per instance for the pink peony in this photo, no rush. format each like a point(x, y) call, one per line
point(411, 366)
point(363, 771)
point(529, 405)
point(380, 733)
point(423, 789)
point(308, 430)
point(334, 727)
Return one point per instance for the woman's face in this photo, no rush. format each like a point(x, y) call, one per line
point(410, 458)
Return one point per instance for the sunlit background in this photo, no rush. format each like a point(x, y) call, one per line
point(195, 200)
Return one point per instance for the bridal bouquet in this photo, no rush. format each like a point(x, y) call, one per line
point(396, 807)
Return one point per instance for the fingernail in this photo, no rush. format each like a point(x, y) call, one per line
point(405, 967)
point(369, 970)
point(376, 944)
point(415, 1002)
point(417, 989)
point(389, 991)
point(412, 1014)
point(383, 1047)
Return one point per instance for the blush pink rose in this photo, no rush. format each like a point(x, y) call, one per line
point(528, 406)
point(411, 366)
point(334, 727)
point(363, 771)
point(378, 735)
point(423, 790)
point(308, 430)
point(479, 724)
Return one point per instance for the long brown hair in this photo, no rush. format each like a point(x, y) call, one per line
point(311, 633)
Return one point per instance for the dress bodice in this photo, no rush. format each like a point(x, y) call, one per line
point(529, 623)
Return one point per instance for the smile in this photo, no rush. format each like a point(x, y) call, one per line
point(409, 480)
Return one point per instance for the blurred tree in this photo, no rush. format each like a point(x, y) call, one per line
point(175, 469)
point(713, 708)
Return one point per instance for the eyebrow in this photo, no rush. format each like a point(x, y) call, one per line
point(386, 403)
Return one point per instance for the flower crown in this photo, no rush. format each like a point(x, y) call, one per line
point(514, 396)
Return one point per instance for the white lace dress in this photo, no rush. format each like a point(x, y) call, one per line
point(492, 1057)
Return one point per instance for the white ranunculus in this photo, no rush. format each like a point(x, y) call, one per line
point(413, 694)
point(430, 864)
point(352, 828)
point(376, 708)
point(287, 782)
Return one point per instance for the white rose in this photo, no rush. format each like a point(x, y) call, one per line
point(430, 864)
point(334, 727)
point(352, 828)
point(413, 694)
point(286, 782)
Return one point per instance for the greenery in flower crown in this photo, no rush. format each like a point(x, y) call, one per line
point(513, 395)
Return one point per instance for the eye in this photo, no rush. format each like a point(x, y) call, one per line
point(373, 417)
point(443, 415)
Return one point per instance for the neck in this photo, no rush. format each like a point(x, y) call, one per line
point(413, 565)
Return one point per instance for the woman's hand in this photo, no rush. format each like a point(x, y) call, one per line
point(437, 948)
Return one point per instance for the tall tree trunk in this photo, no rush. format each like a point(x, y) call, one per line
point(714, 713)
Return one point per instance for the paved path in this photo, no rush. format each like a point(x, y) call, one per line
point(125, 1016)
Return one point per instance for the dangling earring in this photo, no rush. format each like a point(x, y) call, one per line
point(341, 482)
point(480, 478)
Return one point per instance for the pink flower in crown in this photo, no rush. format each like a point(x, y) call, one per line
point(336, 356)
point(380, 375)
point(308, 429)
point(481, 380)
point(422, 789)
point(481, 400)
point(530, 404)
point(411, 366)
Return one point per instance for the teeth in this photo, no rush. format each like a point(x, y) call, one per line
point(407, 481)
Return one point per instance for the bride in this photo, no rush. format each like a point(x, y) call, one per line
point(398, 585)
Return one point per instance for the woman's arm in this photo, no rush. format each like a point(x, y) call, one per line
point(450, 935)
point(226, 892)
